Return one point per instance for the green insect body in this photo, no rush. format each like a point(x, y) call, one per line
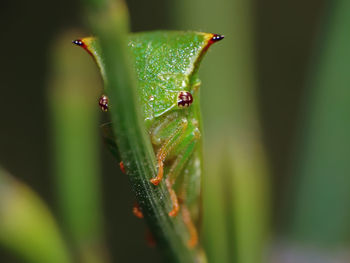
point(166, 64)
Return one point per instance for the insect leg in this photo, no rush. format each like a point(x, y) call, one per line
point(186, 216)
point(183, 153)
point(137, 211)
point(167, 147)
point(173, 197)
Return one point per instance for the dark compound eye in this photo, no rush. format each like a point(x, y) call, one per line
point(103, 102)
point(184, 99)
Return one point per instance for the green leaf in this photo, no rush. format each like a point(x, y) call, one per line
point(73, 88)
point(26, 225)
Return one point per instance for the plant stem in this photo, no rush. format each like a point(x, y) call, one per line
point(320, 214)
point(74, 110)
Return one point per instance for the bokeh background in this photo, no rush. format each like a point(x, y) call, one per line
point(276, 107)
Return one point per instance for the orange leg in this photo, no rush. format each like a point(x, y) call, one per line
point(193, 240)
point(159, 177)
point(185, 144)
point(173, 197)
point(137, 211)
point(177, 168)
point(166, 148)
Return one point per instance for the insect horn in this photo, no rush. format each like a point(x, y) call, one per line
point(78, 42)
point(212, 38)
point(84, 44)
point(216, 38)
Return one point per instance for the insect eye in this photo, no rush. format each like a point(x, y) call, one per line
point(103, 102)
point(184, 99)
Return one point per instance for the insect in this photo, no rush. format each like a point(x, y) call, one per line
point(166, 64)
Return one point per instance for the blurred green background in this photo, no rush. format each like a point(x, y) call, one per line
point(276, 107)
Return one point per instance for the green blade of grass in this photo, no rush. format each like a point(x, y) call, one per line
point(216, 231)
point(27, 227)
point(320, 214)
point(73, 97)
